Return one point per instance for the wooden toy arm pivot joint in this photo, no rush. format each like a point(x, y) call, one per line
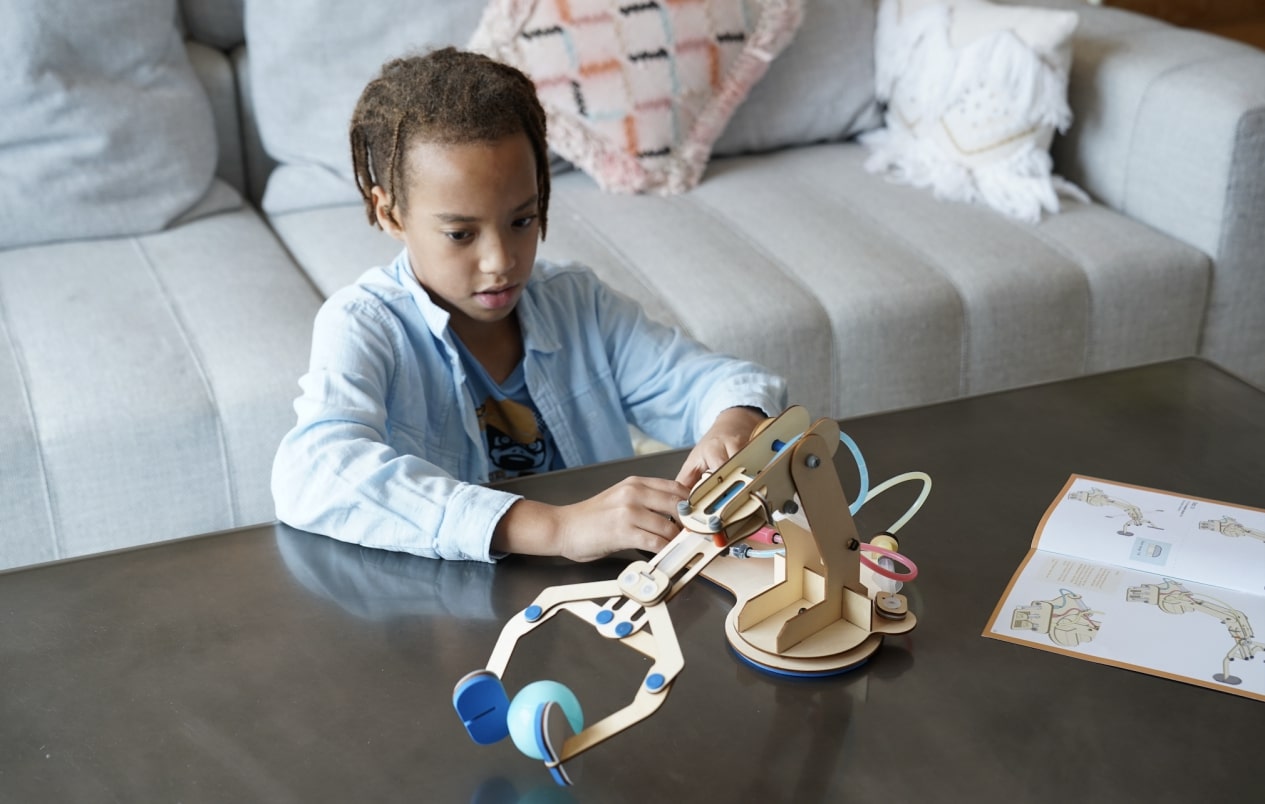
point(740, 497)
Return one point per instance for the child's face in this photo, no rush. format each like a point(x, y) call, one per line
point(471, 226)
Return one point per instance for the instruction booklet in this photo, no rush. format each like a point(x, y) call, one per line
point(1145, 580)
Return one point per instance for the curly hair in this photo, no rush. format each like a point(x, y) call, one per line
point(447, 96)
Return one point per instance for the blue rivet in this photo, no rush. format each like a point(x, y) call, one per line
point(624, 629)
point(654, 681)
point(533, 613)
point(778, 444)
point(604, 616)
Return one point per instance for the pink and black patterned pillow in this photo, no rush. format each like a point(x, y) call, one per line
point(637, 92)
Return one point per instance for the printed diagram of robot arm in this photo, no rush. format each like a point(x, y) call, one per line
point(1229, 526)
point(1065, 619)
point(805, 612)
point(1101, 499)
point(1173, 598)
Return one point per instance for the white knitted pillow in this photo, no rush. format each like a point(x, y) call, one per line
point(637, 93)
point(974, 94)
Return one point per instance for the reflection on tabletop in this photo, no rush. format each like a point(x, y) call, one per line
point(381, 584)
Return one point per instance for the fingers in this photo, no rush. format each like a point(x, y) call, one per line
point(690, 472)
point(635, 513)
point(707, 456)
point(656, 494)
point(650, 506)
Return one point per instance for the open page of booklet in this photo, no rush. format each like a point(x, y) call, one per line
point(1145, 580)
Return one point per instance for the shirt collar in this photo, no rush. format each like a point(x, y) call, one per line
point(435, 316)
point(540, 332)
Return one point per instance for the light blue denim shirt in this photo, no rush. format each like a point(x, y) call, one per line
point(387, 450)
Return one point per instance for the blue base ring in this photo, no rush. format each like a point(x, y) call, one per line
point(778, 671)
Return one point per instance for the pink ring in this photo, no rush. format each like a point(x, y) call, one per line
point(884, 571)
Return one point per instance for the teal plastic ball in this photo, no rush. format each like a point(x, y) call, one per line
point(523, 719)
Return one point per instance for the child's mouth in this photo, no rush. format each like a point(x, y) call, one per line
point(497, 299)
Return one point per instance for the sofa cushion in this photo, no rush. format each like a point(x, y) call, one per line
point(867, 295)
point(153, 407)
point(334, 244)
point(218, 23)
point(104, 129)
point(974, 93)
point(215, 72)
point(820, 87)
point(636, 94)
point(927, 300)
point(309, 62)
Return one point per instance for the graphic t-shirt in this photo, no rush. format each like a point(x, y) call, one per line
point(517, 441)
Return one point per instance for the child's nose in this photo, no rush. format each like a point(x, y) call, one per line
point(497, 257)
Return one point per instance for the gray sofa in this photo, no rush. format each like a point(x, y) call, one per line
point(147, 376)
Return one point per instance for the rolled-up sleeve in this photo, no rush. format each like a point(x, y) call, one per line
point(335, 472)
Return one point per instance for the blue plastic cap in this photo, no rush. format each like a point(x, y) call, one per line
point(483, 706)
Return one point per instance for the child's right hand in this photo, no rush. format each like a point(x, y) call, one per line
point(635, 513)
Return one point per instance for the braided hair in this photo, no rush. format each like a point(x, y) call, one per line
point(448, 97)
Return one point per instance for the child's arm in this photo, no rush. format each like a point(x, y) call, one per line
point(635, 513)
point(338, 471)
point(675, 389)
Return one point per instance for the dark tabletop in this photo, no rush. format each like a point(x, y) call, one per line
point(268, 664)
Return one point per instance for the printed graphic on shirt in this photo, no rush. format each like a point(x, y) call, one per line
point(516, 440)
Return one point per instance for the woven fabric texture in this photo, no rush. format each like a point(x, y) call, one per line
point(637, 92)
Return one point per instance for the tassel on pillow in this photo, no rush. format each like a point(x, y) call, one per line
point(973, 120)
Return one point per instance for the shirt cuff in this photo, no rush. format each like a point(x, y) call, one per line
point(470, 517)
point(766, 393)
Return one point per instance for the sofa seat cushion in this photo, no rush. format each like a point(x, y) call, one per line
point(145, 383)
point(867, 295)
point(931, 300)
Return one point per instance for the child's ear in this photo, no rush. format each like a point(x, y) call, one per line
point(384, 211)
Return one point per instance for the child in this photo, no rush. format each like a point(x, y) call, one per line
point(467, 357)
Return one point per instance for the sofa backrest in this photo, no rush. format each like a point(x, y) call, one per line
point(821, 87)
point(217, 23)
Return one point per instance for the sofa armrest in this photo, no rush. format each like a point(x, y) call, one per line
point(1169, 129)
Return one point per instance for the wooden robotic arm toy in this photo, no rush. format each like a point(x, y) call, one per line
point(805, 612)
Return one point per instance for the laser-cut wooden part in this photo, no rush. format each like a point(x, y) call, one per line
point(803, 612)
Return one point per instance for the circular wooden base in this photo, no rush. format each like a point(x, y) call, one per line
point(821, 654)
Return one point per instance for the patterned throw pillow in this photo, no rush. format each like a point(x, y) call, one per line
point(974, 94)
point(636, 92)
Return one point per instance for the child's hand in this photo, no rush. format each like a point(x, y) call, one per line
point(636, 513)
point(729, 433)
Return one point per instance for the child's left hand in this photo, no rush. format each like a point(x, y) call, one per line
point(729, 433)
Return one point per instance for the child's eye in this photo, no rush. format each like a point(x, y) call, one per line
point(459, 237)
point(524, 222)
